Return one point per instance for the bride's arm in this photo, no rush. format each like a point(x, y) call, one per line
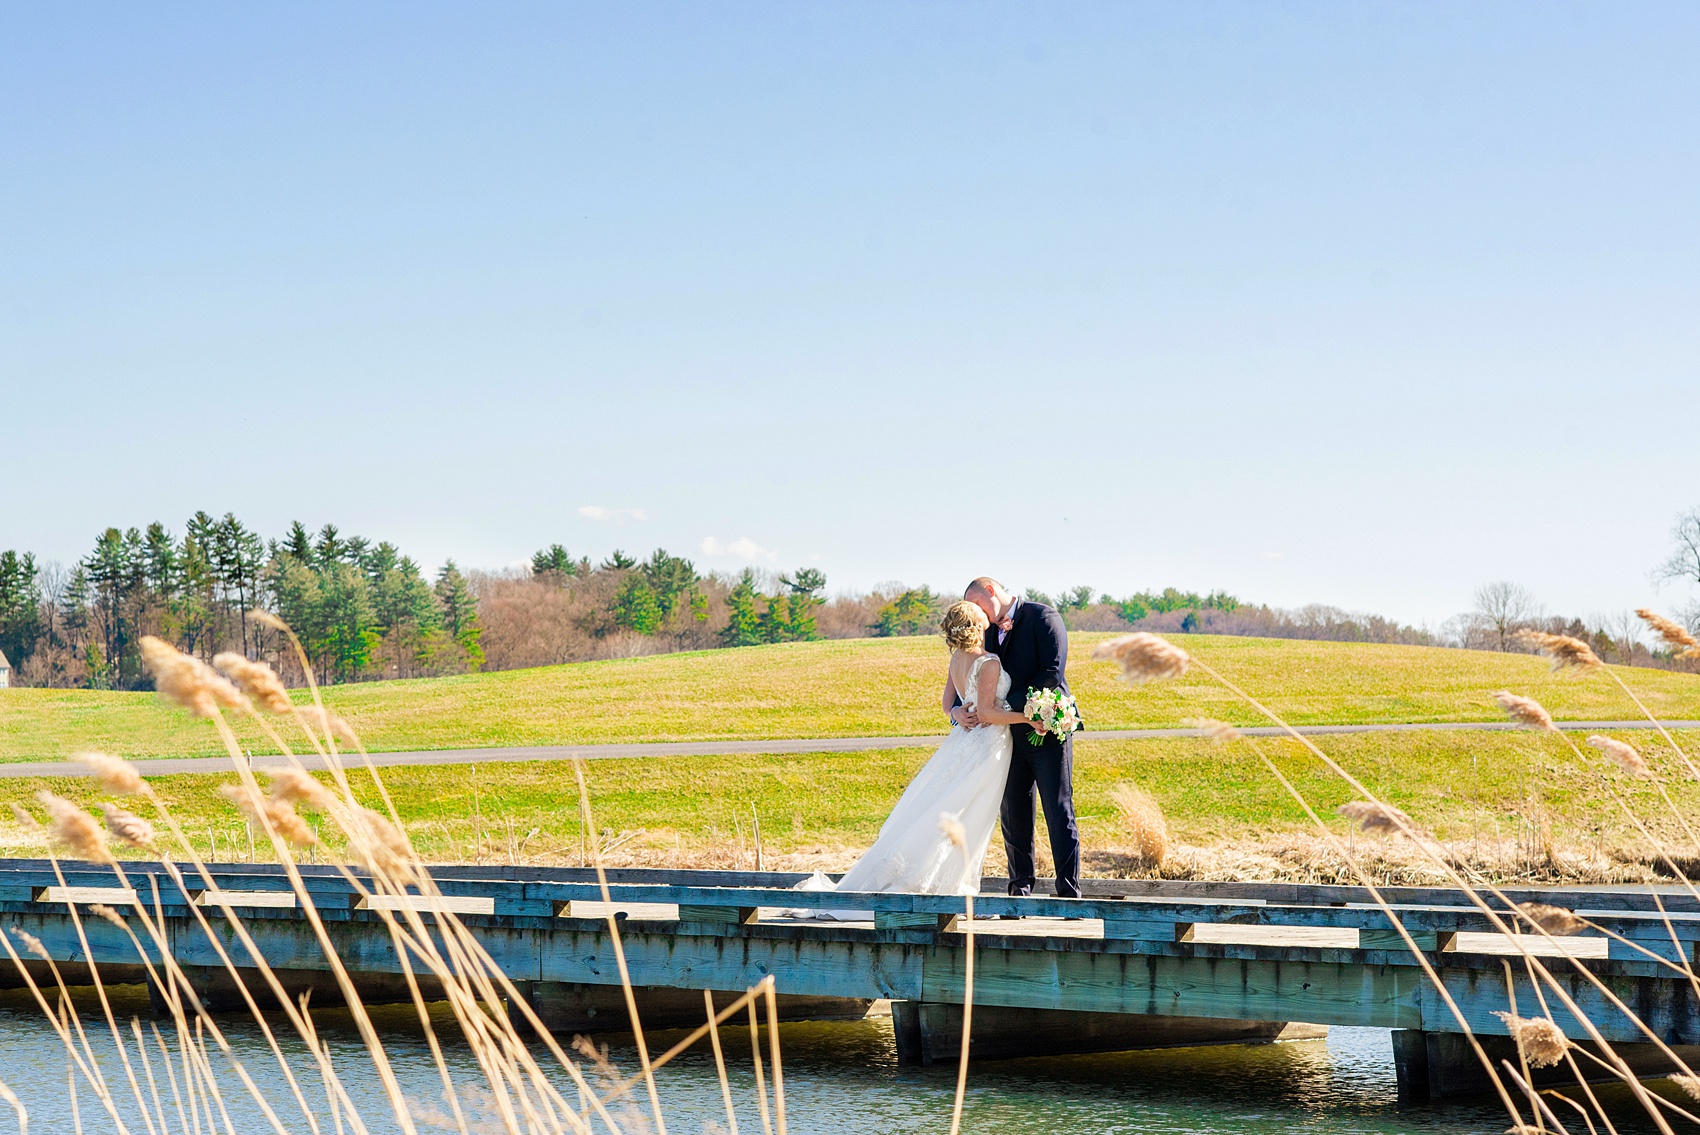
point(988, 697)
point(950, 699)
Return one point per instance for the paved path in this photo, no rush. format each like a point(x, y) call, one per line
point(168, 766)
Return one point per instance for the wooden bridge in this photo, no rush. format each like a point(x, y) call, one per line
point(1131, 965)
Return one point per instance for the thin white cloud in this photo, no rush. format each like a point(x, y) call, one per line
point(743, 548)
point(605, 515)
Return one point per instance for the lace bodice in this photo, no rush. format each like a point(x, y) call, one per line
point(971, 694)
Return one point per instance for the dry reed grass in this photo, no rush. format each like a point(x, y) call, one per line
point(1676, 635)
point(255, 679)
point(1628, 758)
point(1143, 657)
point(1552, 919)
point(524, 1095)
point(1540, 1042)
point(1563, 651)
point(529, 1101)
point(1525, 711)
point(1297, 857)
point(1372, 816)
point(1143, 821)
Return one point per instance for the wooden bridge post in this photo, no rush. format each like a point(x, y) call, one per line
point(1410, 1065)
point(906, 1025)
point(1436, 1065)
point(158, 1007)
point(931, 1032)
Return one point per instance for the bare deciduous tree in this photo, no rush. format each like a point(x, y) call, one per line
point(1504, 609)
point(1684, 561)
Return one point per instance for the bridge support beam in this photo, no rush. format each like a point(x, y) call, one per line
point(931, 1033)
point(568, 1008)
point(1434, 1066)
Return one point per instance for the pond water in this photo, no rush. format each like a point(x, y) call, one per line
point(839, 1077)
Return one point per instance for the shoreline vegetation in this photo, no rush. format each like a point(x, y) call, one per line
point(868, 687)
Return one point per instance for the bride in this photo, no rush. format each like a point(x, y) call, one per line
point(964, 781)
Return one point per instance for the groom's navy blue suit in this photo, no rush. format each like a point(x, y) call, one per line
point(1035, 655)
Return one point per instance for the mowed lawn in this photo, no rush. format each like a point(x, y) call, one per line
point(868, 687)
point(1459, 785)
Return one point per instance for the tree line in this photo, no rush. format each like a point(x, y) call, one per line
point(364, 610)
point(359, 609)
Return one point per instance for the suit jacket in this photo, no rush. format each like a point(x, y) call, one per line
point(1034, 654)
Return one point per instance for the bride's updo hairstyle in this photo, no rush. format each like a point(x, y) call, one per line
point(964, 626)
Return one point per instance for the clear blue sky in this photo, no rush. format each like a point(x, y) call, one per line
point(1356, 303)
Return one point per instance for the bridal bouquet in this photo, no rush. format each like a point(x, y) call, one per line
point(1052, 709)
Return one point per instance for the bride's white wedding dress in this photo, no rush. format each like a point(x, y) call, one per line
point(965, 779)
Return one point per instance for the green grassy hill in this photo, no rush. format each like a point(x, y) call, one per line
point(867, 687)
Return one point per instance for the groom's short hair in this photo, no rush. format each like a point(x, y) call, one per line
point(986, 584)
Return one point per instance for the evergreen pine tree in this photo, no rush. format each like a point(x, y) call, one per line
point(741, 622)
point(460, 613)
point(775, 622)
point(298, 545)
point(554, 559)
point(637, 607)
point(20, 606)
point(803, 601)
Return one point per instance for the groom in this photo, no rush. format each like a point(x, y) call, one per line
point(1032, 643)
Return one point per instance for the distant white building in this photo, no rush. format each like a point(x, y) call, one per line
point(5, 671)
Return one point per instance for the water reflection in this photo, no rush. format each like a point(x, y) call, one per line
point(839, 1077)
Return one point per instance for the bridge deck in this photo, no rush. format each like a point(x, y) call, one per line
point(1244, 952)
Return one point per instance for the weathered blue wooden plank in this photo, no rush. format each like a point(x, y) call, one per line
point(1324, 994)
point(1664, 1005)
point(867, 969)
point(107, 944)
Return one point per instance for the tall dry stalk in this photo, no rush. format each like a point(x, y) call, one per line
point(384, 863)
point(1143, 821)
point(951, 826)
point(1529, 713)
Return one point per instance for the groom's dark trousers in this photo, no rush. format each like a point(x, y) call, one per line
point(1035, 655)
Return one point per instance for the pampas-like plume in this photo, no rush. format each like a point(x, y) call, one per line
point(282, 816)
point(951, 825)
point(1675, 634)
point(1143, 656)
point(267, 619)
point(101, 910)
point(133, 830)
point(1143, 818)
point(188, 681)
point(1525, 711)
point(1689, 1084)
point(1553, 919)
point(1540, 1041)
point(1213, 729)
point(381, 844)
point(75, 828)
point(323, 721)
point(255, 679)
point(296, 787)
point(1562, 650)
point(115, 775)
point(1373, 817)
point(1625, 754)
point(22, 815)
point(32, 944)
